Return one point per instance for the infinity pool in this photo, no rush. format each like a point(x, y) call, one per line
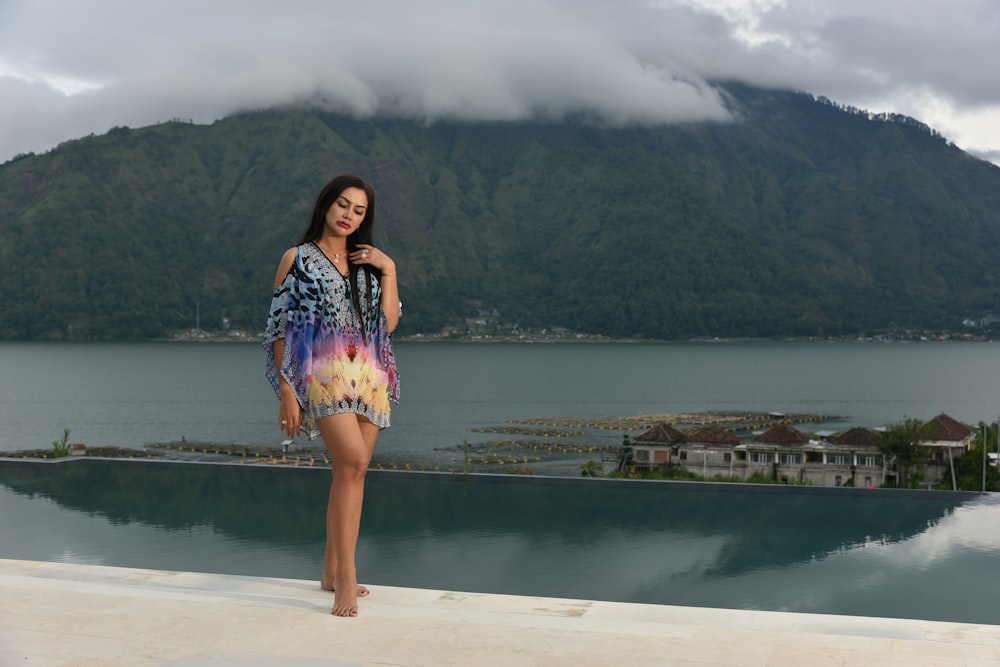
point(904, 554)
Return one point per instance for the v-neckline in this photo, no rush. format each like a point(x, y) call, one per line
point(333, 263)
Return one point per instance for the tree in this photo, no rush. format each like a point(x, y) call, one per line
point(60, 448)
point(901, 443)
point(969, 466)
point(626, 453)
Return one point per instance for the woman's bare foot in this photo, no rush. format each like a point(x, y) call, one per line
point(344, 602)
point(327, 585)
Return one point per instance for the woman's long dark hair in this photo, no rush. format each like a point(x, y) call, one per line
point(363, 234)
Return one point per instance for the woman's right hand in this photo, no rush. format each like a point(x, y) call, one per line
point(289, 413)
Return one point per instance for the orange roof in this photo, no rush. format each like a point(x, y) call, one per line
point(662, 433)
point(782, 434)
point(716, 435)
point(858, 436)
point(951, 430)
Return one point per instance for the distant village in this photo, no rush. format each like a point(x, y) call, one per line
point(787, 455)
point(489, 326)
point(517, 334)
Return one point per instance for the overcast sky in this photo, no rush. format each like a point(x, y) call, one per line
point(72, 67)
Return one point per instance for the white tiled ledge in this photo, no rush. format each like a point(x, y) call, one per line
point(66, 614)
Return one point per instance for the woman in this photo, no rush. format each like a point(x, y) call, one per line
point(330, 358)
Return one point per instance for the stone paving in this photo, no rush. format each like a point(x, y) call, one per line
point(55, 614)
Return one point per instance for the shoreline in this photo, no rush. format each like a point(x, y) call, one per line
point(585, 340)
point(513, 446)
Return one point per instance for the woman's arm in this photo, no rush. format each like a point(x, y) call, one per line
point(390, 299)
point(367, 254)
point(289, 412)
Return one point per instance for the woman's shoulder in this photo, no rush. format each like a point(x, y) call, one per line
point(285, 265)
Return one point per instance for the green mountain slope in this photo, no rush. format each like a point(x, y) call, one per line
point(799, 218)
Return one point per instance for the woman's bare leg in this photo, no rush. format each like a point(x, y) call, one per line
point(330, 553)
point(370, 433)
point(350, 441)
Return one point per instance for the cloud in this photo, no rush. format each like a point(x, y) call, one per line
point(112, 62)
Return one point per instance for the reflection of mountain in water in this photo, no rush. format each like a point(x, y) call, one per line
point(761, 526)
point(270, 504)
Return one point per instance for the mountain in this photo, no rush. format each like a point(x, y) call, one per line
point(800, 217)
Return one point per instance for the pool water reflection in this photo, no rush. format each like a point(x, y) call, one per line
point(904, 554)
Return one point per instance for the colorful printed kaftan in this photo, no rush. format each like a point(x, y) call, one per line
point(334, 360)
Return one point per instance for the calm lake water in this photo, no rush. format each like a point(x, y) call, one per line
point(851, 551)
point(131, 394)
point(903, 554)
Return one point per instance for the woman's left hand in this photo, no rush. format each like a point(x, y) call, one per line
point(367, 254)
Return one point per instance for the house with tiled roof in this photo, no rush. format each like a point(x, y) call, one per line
point(951, 440)
point(852, 458)
point(858, 437)
point(652, 449)
point(777, 453)
point(951, 433)
point(786, 454)
point(782, 434)
point(709, 452)
point(714, 435)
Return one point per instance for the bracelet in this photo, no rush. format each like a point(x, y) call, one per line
point(388, 275)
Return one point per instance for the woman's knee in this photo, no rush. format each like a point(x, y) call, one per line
point(347, 444)
point(354, 464)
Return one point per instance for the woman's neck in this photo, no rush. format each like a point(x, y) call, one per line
point(335, 252)
point(331, 245)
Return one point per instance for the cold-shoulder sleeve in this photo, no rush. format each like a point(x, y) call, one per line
point(387, 356)
point(378, 331)
point(292, 316)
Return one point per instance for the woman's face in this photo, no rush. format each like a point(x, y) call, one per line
point(347, 211)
